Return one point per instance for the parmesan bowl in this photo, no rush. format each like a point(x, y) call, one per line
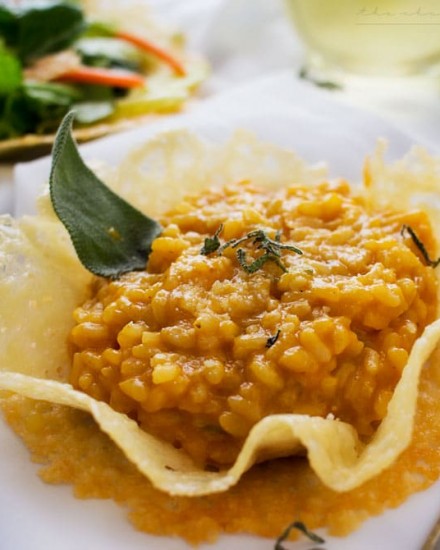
point(324, 341)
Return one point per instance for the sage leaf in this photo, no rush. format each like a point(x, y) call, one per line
point(271, 341)
point(110, 236)
point(260, 240)
point(300, 526)
point(211, 244)
point(419, 244)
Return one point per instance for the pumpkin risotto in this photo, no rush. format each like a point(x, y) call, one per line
point(198, 350)
point(271, 320)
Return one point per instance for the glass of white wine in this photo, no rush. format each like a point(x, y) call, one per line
point(388, 38)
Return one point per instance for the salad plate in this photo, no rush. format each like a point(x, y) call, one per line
point(115, 69)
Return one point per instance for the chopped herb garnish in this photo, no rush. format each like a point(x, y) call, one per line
point(421, 247)
point(109, 235)
point(259, 238)
point(212, 243)
point(272, 339)
point(327, 84)
point(257, 264)
point(301, 527)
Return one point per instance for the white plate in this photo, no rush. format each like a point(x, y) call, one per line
point(34, 516)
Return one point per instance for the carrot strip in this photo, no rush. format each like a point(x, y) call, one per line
point(149, 47)
point(104, 77)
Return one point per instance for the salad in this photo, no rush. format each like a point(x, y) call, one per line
point(55, 57)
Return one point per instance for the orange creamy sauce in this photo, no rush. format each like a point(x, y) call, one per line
point(198, 350)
